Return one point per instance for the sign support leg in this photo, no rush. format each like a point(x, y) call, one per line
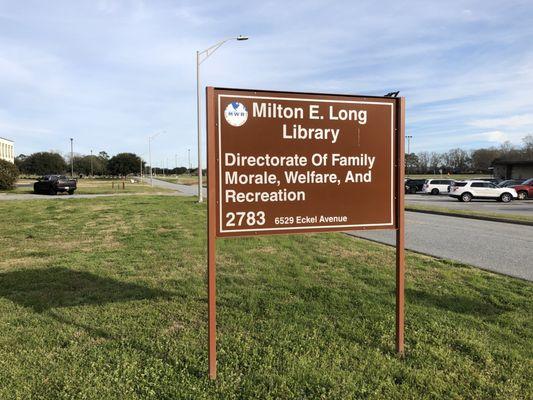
point(211, 288)
point(400, 286)
point(211, 237)
point(400, 231)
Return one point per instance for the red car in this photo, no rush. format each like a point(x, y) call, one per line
point(525, 190)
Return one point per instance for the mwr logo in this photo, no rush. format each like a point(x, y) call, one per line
point(236, 114)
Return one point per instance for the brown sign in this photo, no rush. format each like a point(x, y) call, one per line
point(294, 162)
point(300, 162)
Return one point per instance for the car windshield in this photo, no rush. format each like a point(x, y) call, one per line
point(528, 182)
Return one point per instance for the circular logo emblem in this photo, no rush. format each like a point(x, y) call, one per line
point(236, 114)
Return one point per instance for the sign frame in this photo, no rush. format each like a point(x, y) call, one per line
point(397, 215)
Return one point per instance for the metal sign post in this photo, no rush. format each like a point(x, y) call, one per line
point(211, 233)
point(284, 162)
point(400, 225)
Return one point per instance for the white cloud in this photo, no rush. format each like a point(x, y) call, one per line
point(511, 122)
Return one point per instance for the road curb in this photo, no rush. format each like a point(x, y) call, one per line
point(479, 217)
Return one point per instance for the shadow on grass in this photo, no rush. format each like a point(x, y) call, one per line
point(455, 303)
point(42, 289)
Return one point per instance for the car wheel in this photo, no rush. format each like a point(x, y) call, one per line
point(522, 195)
point(434, 191)
point(466, 197)
point(506, 197)
point(52, 192)
point(413, 190)
point(71, 192)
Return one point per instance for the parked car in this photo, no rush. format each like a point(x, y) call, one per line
point(510, 182)
point(525, 190)
point(414, 185)
point(53, 184)
point(492, 180)
point(468, 190)
point(436, 186)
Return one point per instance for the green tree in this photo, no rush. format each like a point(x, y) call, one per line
point(411, 162)
point(82, 165)
point(9, 174)
point(124, 163)
point(43, 163)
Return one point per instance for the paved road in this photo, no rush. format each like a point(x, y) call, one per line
point(522, 207)
point(495, 246)
point(190, 190)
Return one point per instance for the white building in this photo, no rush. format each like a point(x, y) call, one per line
point(7, 150)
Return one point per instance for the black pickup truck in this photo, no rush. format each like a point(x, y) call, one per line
point(53, 184)
point(414, 185)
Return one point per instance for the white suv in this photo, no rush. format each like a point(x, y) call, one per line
point(468, 190)
point(436, 186)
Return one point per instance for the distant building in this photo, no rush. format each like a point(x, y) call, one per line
point(513, 169)
point(7, 150)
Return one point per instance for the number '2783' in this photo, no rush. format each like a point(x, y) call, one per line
point(245, 218)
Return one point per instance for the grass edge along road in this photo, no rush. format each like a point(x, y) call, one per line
point(469, 213)
point(106, 298)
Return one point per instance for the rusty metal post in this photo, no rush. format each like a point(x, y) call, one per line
point(211, 231)
point(400, 229)
point(123, 185)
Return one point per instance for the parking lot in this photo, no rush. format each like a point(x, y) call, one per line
point(516, 207)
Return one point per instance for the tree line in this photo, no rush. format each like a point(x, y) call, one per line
point(51, 163)
point(453, 161)
point(456, 161)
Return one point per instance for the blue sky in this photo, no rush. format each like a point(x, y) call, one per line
point(109, 73)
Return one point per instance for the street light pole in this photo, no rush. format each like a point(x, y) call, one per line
point(200, 194)
point(189, 151)
point(409, 137)
point(71, 157)
point(205, 53)
point(150, 138)
point(92, 174)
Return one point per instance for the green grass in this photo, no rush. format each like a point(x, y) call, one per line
point(507, 217)
point(106, 299)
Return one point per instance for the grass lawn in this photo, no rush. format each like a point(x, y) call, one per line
point(106, 299)
point(99, 186)
point(508, 217)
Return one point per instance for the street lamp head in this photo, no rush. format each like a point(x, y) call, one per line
point(241, 37)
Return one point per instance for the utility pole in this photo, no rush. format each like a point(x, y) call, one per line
point(189, 150)
point(92, 173)
point(71, 157)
